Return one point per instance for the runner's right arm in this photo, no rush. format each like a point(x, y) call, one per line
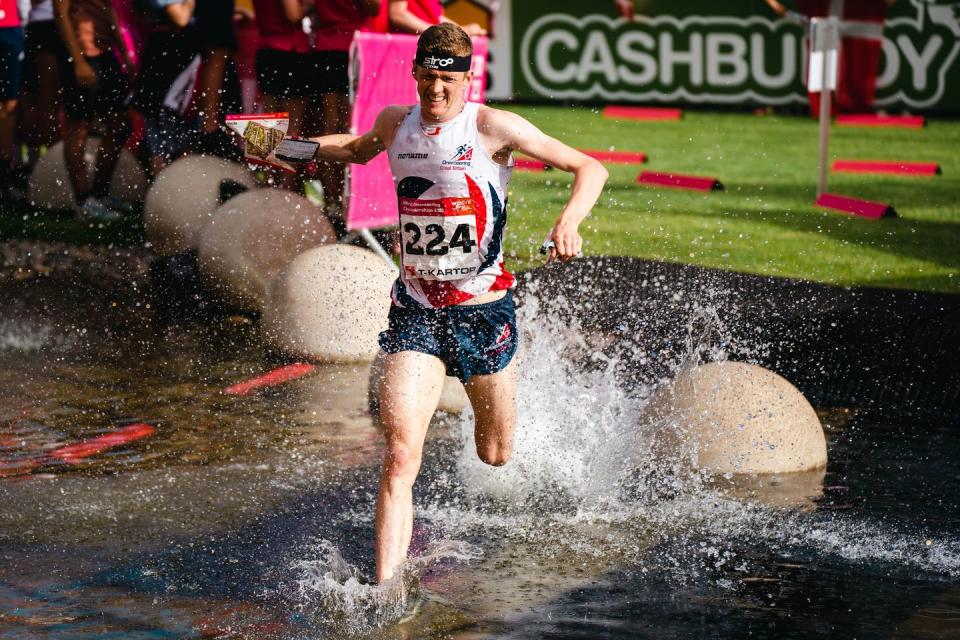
point(346, 147)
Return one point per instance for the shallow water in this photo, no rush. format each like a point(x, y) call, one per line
point(252, 516)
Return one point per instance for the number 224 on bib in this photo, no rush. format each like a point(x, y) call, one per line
point(439, 238)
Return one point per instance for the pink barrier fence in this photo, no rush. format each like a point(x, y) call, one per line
point(380, 67)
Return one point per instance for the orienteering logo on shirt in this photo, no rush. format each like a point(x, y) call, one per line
point(461, 158)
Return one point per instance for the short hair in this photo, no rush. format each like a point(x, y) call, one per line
point(447, 38)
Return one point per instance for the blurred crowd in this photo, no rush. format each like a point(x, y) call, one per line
point(158, 76)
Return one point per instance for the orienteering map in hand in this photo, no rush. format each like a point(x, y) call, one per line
point(261, 133)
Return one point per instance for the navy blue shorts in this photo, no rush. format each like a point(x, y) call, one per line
point(283, 74)
point(328, 70)
point(11, 62)
point(471, 340)
point(214, 22)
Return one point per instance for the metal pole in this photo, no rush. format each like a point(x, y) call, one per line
point(826, 40)
point(372, 243)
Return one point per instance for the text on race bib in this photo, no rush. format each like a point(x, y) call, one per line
point(439, 238)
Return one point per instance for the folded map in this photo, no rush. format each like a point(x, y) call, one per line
point(261, 133)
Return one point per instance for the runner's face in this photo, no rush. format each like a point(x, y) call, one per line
point(441, 92)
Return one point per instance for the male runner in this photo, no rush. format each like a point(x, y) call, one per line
point(452, 311)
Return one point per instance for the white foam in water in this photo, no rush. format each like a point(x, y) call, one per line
point(333, 594)
point(17, 336)
point(583, 477)
point(571, 425)
point(578, 438)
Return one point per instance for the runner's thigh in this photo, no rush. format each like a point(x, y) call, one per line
point(409, 393)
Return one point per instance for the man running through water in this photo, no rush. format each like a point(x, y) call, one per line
point(452, 311)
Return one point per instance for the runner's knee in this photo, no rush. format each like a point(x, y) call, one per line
point(401, 463)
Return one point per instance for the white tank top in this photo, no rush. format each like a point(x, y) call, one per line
point(452, 198)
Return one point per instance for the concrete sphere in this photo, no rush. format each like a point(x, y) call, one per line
point(183, 198)
point(251, 237)
point(798, 490)
point(50, 186)
point(736, 418)
point(453, 398)
point(329, 304)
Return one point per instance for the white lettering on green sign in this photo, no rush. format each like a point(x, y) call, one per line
point(717, 59)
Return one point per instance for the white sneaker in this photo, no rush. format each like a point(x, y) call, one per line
point(94, 209)
point(116, 204)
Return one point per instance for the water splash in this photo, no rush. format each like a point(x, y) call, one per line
point(334, 595)
point(584, 487)
point(584, 462)
point(17, 336)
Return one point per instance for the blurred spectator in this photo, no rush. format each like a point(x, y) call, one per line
point(245, 58)
point(283, 62)
point(860, 48)
point(41, 94)
point(168, 68)
point(625, 9)
point(215, 88)
point(333, 24)
point(413, 16)
point(94, 92)
point(11, 60)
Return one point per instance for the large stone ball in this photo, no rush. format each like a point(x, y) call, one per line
point(453, 398)
point(736, 418)
point(50, 186)
point(251, 237)
point(184, 197)
point(797, 490)
point(329, 304)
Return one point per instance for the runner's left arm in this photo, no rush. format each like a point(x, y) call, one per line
point(517, 134)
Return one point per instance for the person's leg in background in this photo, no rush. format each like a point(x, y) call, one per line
point(98, 107)
point(283, 86)
point(11, 59)
point(41, 95)
point(214, 27)
point(330, 113)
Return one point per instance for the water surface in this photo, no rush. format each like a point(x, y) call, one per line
point(252, 517)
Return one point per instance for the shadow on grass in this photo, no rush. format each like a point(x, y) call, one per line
point(923, 238)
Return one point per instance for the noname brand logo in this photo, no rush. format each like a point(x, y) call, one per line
point(721, 59)
point(432, 61)
point(411, 156)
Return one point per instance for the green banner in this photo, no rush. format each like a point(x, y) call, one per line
point(735, 52)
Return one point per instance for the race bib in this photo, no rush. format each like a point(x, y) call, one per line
point(439, 238)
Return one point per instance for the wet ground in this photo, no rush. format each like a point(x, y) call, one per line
point(251, 517)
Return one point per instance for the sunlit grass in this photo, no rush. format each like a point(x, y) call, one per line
point(764, 221)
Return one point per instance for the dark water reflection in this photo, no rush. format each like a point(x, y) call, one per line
point(193, 531)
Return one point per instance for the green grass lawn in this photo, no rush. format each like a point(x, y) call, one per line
point(764, 221)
